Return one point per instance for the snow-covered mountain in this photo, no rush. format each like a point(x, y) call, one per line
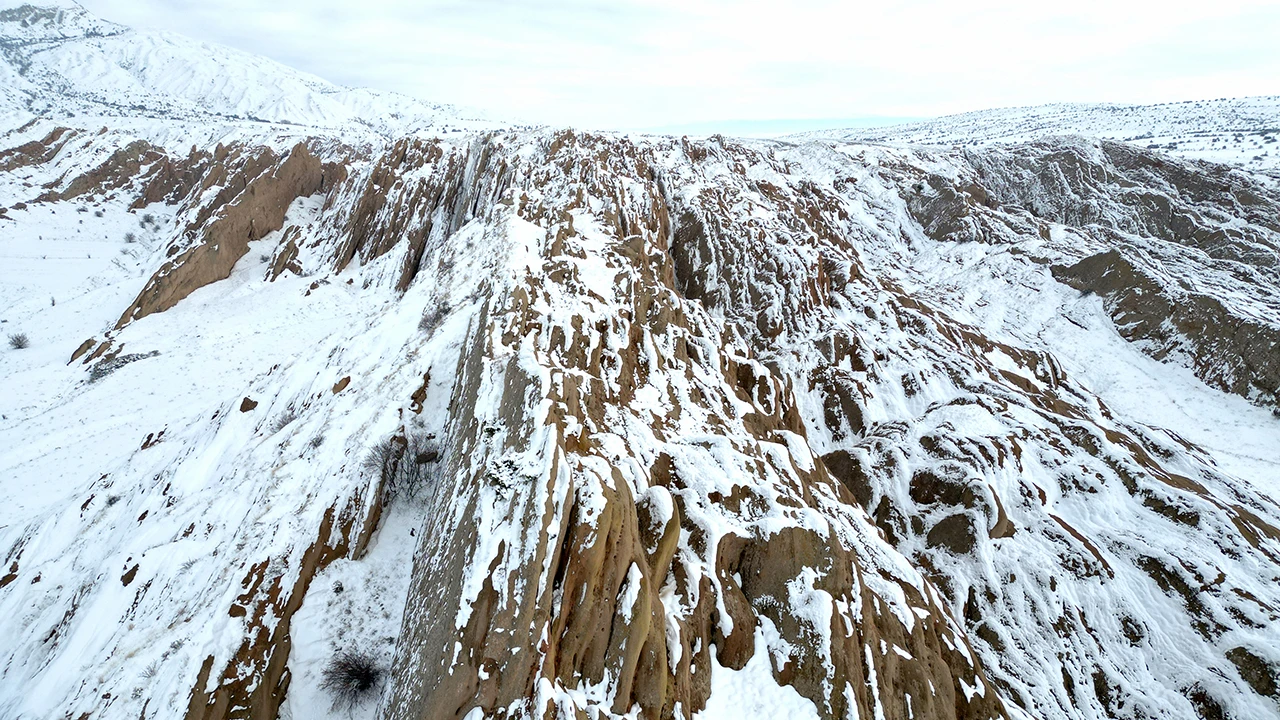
point(1239, 131)
point(62, 61)
point(542, 423)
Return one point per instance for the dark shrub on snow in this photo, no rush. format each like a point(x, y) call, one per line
point(351, 678)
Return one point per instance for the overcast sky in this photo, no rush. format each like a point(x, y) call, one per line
point(631, 64)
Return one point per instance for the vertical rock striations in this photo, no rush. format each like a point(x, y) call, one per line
point(699, 413)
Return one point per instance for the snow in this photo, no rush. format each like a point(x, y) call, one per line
point(353, 605)
point(91, 495)
point(630, 592)
point(1239, 131)
point(752, 693)
point(173, 90)
point(66, 276)
point(138, 507)
point(1017, 301)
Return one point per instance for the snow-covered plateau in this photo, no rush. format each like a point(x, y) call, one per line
point(543, 423)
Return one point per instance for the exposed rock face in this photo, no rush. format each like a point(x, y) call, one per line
point(629, 570)
point(1156, 222)
point(694, 414)
point(255, 680)
point(35, 152)
point(1235, 354)
point(120, 170)
point(256, 192)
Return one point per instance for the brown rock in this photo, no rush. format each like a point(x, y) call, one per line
point(85, 347)
point(256, 211)
point(955, 533)
point(1262, 676)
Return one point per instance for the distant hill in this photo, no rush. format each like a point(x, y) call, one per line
point(62, 61)
point(1240, 131)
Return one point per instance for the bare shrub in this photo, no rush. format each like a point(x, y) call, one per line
point(19, 341)
point(431, 320)
point(384, 456)
point(403, 464)
point(351, 678)
point(286, 417)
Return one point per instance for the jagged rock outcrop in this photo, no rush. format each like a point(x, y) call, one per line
point(1235, 354)
point(584, 593)
point(255, 192)
point(254, 681)
point(690, 416)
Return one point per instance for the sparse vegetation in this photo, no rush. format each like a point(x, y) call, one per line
point(351, 678)
point(286, 417)
point(431, 319)
point(19, 341)
point(130, 237)
point(402, 463)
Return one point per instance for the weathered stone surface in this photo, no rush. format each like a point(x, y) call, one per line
point(1188, 269)
point(573, 600)
point(119, 171)
point(693, 419)
point(955, 533)
point(248, 215)
point(254, 682)
point(1261, 675)
point(1232, 353)
point(35, 152)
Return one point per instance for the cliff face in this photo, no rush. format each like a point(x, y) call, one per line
point(692, 406)
point(1191, 265)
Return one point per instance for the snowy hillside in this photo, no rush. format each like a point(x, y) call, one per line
point(64, 62)
point(1240, 131)
point(529, 423)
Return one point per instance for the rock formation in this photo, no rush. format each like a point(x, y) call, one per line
point(689, 410)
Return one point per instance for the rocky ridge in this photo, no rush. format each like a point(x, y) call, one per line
point(59, 60)
point(1238, 131)
point(559, 424)
point(689, 417)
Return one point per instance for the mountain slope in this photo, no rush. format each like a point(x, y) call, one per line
point(556, 424)
point(1239, 131)
point(72, 64)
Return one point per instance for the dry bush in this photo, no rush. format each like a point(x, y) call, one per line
point(351, 678)
point(404, 465)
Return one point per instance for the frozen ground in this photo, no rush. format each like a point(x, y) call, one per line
point(81, 455)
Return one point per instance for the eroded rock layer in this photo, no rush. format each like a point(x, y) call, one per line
point(689, 411)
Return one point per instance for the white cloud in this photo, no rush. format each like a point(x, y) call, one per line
point(627, 63)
